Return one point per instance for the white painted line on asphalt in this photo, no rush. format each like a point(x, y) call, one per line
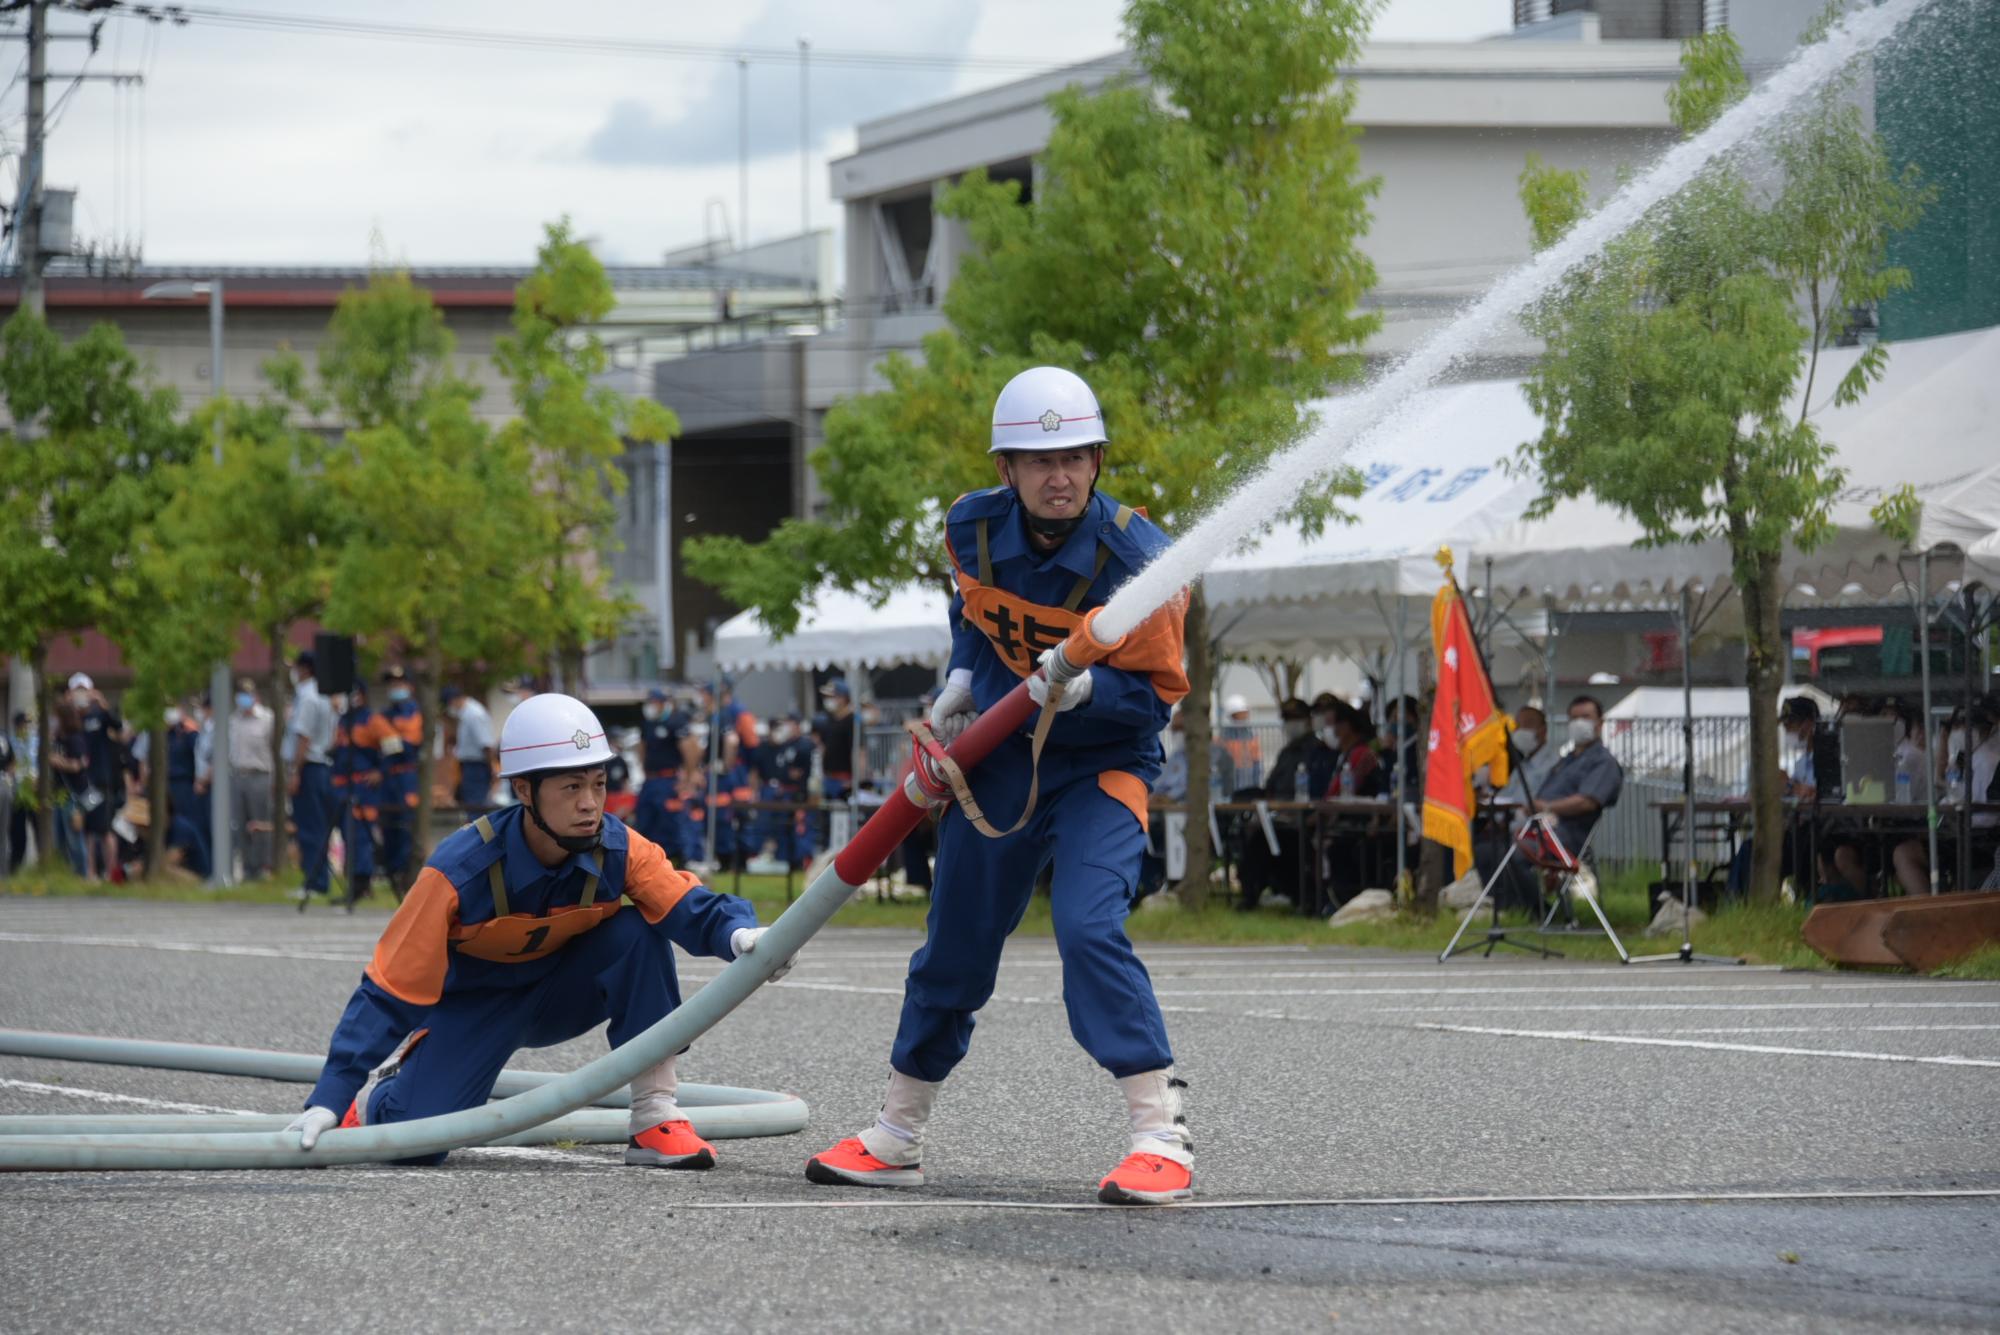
point(169, 1105)
point(1603, 1008)
point(1842, 1029)
point(1325, 1202)
point(106, 1096)
point(1620, 989)
point(180, 947)
point(1763, 1049)
point(897, 991)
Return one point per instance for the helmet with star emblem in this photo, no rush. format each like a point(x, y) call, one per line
point(551, 732)
point(1046, 408)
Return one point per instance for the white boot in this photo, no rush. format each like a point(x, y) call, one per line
point(1159, 1167)
point(653, 1093)
point(898, 1134)
point(889, 1153)
point(660, 1134)
point(1158, 1116)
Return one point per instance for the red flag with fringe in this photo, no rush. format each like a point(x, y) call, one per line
point(1467, 729)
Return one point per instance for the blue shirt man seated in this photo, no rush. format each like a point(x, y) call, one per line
point(1585, 781)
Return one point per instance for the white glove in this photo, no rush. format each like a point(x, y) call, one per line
point(743, 941)
point(952, 712)
point(310, 1123)
point(1074, 694)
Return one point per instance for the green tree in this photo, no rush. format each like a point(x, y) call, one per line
point(573, 431)
point(248, 542)
point(83, 468)
point(1678, 382)
point(1190, 250)
point(440, 517)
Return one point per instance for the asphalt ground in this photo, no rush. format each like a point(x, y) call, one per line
point(1491, 1144)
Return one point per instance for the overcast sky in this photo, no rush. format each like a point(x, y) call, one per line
point(250, 146)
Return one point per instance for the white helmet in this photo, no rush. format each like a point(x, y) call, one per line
point(551, 731)
point(1046, 408)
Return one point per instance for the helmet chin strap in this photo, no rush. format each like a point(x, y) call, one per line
point(569, 843)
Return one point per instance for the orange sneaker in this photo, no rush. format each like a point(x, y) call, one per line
point(670, 1145)
point(1147, 1179)
point(849, 1164)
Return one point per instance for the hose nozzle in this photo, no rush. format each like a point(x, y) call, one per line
point(1081, 649)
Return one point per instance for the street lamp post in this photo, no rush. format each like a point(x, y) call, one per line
point(222, 865)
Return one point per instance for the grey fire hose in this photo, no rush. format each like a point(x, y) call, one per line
point(555, 1097)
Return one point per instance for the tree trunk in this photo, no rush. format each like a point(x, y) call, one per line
point(1199, 731)
point(1765, 651)
point(281, 843)
point(156, 798)
point(45, 790)
point(429, 690)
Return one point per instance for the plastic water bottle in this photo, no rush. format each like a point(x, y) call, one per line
point(1954, 780)
point(1299, 793)
point(1903, 783)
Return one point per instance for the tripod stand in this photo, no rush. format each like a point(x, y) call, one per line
point(1686, 954)
point(1549, 855)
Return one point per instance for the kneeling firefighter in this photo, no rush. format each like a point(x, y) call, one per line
point(1032, 556)
point(515, 935)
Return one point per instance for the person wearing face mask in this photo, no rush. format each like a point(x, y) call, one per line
point(1585, 781)
point(103, 773)
point(250, 779)
point(184, 798)
point(516, 934)
point(309, 752)
point(1300, 772)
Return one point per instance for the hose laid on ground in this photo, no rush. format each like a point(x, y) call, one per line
point(850, 870)
point(771, 1115)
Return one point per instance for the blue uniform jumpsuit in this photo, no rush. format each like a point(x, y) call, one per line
point(399, 785)
point(183, 802)
point(1100, 761)
point(657, 815)
point(492, 952)
point(357, 783)
point(791, 776)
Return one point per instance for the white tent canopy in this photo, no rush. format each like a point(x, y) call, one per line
point(1345, 589)
point(1439, 482)
point(840, 629)
point(1929, 423)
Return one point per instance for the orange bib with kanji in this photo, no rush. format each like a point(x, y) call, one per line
point(1021, 631)
point(517, 938)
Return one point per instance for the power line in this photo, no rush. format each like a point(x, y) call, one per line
point(655, 49)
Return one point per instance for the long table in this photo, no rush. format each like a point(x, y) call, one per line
point(1877, 821)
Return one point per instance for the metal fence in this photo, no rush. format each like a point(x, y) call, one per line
point(1652, 753)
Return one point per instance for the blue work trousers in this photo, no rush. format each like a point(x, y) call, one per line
point(313, 810)
point(980, 890)
point(621, 971)
point(475, 788)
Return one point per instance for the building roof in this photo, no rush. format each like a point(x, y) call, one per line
point(70, 283)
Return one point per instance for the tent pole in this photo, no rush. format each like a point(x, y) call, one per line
point(1686, 955)
point(858, 748)
point(1924, 658)
point(1402, 767)
point(1548, 654)
point(714, 756)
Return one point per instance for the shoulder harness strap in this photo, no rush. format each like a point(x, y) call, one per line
point(1083, 583)
point(985, 555)
point(496, 875)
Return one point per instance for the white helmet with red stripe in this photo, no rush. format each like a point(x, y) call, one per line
point(551, 732)
point(1046, 408)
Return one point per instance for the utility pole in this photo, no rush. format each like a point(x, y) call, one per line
point(742, 153)
point(30, 221)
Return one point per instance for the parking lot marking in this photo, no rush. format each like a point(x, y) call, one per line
point(1601, 1198)
point(1765, 1049)
point(1600, 1008)
point(106, 1096)
point(1620, 989)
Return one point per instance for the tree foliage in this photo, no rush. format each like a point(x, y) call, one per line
point(84, 466)
point(1678, 381)
point(572, 431)
point(1190, 250)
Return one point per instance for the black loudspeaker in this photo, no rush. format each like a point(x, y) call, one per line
point(333, 663)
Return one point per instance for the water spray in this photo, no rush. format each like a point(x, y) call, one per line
point(1375, 411)
point(1353, 421)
